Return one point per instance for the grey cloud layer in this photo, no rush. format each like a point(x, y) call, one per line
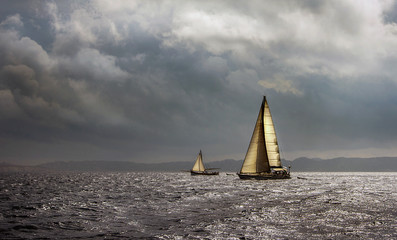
point(151, 81)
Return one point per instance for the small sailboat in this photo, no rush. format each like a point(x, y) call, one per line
point(199, 169)
point(262, 161)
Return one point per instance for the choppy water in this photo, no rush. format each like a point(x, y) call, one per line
point(180, 206)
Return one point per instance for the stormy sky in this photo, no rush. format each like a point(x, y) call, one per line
point(156, 81)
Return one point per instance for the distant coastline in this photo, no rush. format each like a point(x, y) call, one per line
point(378, 164)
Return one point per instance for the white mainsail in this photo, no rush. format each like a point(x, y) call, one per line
point(256, 159)
point(263, 150)
point(273, 154)
point(199, 166)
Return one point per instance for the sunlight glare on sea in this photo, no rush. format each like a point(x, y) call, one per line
point(177, 205)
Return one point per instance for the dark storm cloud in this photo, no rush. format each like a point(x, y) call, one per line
point(149, 81)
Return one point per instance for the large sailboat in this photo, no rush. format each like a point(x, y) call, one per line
point(199, 169)
point(262, 161)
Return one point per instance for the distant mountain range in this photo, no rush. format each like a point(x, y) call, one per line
point(224, 165)
point(380, 164)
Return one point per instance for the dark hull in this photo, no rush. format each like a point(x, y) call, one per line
point(203, 173)
point(267, 176)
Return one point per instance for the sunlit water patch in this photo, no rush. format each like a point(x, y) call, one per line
point(180, 206)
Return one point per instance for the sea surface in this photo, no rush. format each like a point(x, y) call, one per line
point(179, 206)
